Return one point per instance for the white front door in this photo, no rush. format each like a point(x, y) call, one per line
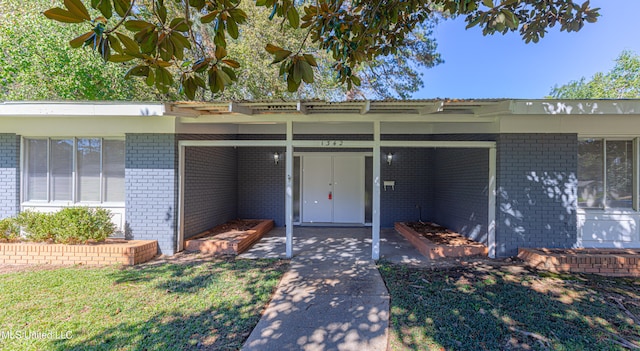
point(317, 186)
point(333, 188)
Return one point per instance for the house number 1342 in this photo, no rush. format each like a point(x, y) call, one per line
point(331, 143)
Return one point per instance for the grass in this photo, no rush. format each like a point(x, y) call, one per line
point(210, 305)
point(510, 307)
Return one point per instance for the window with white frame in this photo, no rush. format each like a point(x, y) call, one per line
point(73, 170)
point(605, 173)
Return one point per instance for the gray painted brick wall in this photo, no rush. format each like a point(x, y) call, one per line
point(460, 191)
point(211, 188)
point(410, 170)
point(9, 175)
point(151, 183)
point(536, 188)
point(439, 137)
point(261, 184)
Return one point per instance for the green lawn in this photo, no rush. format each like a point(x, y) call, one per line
point(211, 305)
point(506, 308)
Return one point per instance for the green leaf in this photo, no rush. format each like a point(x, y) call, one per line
point(281, 55)
point(230, 73)
point(221, 52)
point(238, 15)
point(115, 44)
point(310, 60)
point(219, 39)
point(120, 58)
point(189, 88)
point(165, 49)
point(179, 24)
point(131, 47)
point(209, 17)
point(297, 72)
point(224, 79)
point(105, 8)
point(121, 6)
point(78, 41)
point(356, 81)
point(474, 22)
point(163, 80)
point(77, 8)
point(149, 43)
point(139, 70)
point(292, 86)
point(61, 15)
point(162, 13)
point(178, 45)
point(137, 25)
point(199, 82)
point(488, 3)
point(151, 78)
point(293, 17)
point(307, 71)
point(232, 28)
point(213, 81)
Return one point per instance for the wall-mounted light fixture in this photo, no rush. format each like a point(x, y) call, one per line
point(389, 158)
point(276, 157)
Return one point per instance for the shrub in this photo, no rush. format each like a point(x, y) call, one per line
point(71, 225)
point(9, 230)
point(36, 225)
point(74, 225)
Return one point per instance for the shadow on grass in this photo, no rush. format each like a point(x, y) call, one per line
point(503, 308)
point(197, 306)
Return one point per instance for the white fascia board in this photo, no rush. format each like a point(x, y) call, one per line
point(86, 126)
point(587, 125)
point(576, 107)
point(494, 109)
point(82, 109)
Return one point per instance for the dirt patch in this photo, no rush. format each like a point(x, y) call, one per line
point(236, 225)
point(439, 234)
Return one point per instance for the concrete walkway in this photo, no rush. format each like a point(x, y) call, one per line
point(332, 297)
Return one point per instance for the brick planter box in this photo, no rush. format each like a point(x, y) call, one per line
point(230, 243)
point(112, 251)
point(609, 262)
point(432, 250)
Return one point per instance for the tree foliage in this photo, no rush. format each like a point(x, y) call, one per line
point(393, 76)
point(161, 37)
point(622, 82)
point(36, 62)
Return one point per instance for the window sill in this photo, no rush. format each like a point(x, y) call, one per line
point(70, 204)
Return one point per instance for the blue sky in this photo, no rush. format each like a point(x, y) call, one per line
point(505, 67)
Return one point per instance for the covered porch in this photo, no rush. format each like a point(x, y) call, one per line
point(362, 138)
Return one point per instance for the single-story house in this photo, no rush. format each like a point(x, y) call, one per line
point(507, 173)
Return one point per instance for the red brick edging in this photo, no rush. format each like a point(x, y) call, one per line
point(232, 243)
point(432, 250)
point(609, 262)
point(126, 252)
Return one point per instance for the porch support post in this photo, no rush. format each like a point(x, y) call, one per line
point(375, 227)
point(491, 236)
point(289, 190)
point(181, 167)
